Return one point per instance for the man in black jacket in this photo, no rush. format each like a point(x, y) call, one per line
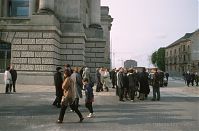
point(58, 86)
point(120, 84)
point(156, 86)
point(144, 84)
point(13, 73)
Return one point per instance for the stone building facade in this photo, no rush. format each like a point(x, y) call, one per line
point(44, 34)
point(130, 63)
point(183, 55)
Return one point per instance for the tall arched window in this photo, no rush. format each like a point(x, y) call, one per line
point(5, 55)
point(18, 8)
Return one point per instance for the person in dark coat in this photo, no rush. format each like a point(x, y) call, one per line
point(192, 79)
point(188, 78)
point(132, 84)
point(167, 76)
point(89, 97)
point(13, 73)
point(156, 86)
point(161, 75)
point(113, 76)
point(196, 78)
point(126, 84)
point(58, 87)
point(99, 86)
point(120, 84)
point(144, 84)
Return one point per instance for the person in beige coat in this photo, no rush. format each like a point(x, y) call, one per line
point(68, 97)
point(8, 80)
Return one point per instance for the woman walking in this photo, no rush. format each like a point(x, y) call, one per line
point(68, 97)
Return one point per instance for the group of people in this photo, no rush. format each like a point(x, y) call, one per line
point(69, 88)
point(129, 83)
point(191, 78)
point(10, 78)
point(103, 79)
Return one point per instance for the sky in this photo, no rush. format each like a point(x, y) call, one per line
point(141, 27)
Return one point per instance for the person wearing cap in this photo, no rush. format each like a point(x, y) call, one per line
point(58, 87)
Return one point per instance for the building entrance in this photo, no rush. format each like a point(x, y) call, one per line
point(5, 55)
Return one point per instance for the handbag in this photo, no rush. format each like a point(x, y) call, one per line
point(67, 100)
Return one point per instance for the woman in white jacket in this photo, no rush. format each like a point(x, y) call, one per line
point(7, 79)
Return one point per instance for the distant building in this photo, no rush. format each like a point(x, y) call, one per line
point(183, 55)
point(130, 63)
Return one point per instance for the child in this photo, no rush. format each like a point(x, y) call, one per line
point(89, 97)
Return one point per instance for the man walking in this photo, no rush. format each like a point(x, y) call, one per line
point(58, 87)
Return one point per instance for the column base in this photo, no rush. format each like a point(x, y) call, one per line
point(97, 26)
point(45, 11)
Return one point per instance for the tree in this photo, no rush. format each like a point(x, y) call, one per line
point(154, 58)
point(158, 58)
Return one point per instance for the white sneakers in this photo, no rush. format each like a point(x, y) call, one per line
point(91, 115)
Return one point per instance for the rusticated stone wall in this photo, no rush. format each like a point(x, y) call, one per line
point(73, 51)
point(33, 51)
point(95, 54)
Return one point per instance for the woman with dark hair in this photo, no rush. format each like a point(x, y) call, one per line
point(68, 97)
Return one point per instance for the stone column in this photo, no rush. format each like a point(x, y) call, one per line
point(46, 5)
point(5, 8)
point(95, 6)
point(1, 8)
point(32, 7)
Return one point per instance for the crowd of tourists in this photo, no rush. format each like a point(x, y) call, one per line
point(130, 83)
point(191, 78)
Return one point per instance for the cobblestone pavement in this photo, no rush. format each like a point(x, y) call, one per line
point(30, 109)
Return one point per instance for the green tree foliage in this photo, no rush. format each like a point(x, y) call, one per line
point(154, 58)
point(158, 58)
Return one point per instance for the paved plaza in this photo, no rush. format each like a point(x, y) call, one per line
point(30, 109)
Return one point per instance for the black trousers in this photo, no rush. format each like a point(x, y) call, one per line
point(113, 83)
point(132, 93)
point(99, 87)
point(121, 93)
point(74, 107)
point(89, 106)
point(57, 101)
point(8, 88)
point(13, 85)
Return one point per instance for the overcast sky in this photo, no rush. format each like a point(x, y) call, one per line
point(140, 27)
